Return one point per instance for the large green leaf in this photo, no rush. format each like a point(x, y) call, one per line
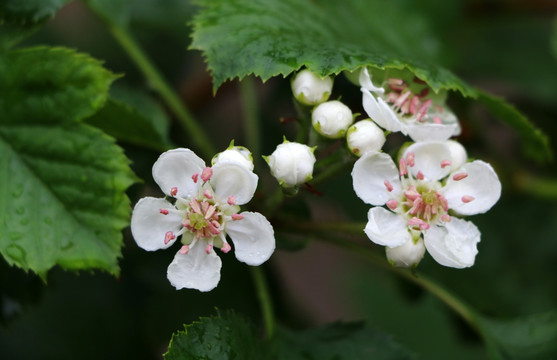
point(230, 337)
point(62, 183)
point(276, 37)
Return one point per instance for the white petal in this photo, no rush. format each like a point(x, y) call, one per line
point(369, 175)
point(175, 168)
point(482, 183)
point(195, 270)
point(366, 83)
point(231, 179)
point(386, 228)
point(238, 154)
point(253, 238)
point(453, 245)
point(459, 156)
point(406, 255)
point(430, 131)
point(380, 112)
point(149, 226)
point(428, 156)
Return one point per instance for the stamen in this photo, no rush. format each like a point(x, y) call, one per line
point(420, 175)
point(424, 226)
point(208, 248)
point(225, 248)
point(168, 237)
point(388, 186)
point(445, 163)
point(414, 104)
point(207, 194)
point(237, 216)
point(210, 211)
point(206, 174)
point(402, 167)
point(194, 177)
point(460, 176)
point(231, 200)
point(392, 204)
point(467, 198)
point(446, 218)
point(184, 250)
point(410, 159)
point(411, 194)
point(423, 110)
point(194, 204)
point(174, 191)
point(163, 211)
point(437, 120)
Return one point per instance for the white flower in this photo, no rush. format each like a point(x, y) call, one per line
point(291, 163)
point(420, 194)
point(310, 89)
point(238, 154)
point(408, 254)
point(364, 136)
point(396, 107)
point(205, 208)
point(331, 119)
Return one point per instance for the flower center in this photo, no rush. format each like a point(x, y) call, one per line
point(424, 204)
point(202, 218)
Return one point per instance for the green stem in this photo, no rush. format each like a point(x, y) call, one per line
point(251, 120)
point(264, 299)
point(134, 51)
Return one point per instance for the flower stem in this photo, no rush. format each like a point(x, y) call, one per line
point(264, 299)
point(159, 84)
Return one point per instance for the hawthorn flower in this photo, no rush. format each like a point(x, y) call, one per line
point(310, 89)
point(364, 136)
point(422, 196)
point(331, 119)
point(291, 163)
point(202, 206)
point(398, 106)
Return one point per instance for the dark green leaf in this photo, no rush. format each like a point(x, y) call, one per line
point(554, 39)
point(535, 143)
point(62, 183)
point(134, 118)
point(532, 337)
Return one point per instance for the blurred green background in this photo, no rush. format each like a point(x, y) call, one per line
point(508, 48)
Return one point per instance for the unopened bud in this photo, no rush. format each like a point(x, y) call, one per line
point(310, 89)
point(364, 136)
point(234, 154)
point(291, 163)
point(407, 255)
point(331, 119)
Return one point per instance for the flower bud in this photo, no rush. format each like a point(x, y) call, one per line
point(310, 89)
point(364, 136)
point(407, 255)
point(291, 163)
point(458, 154)
point(234, 154)
point(331, 119)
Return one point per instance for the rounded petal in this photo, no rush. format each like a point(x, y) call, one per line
point(481, 183)
point(175, 168)
point(231, 179)
point(386, 228)
point(459, 156)
point(238, 154)
point(195, 270)
point(453, 245)
point(406, 255)
point(253, 238)
point(380, 112)
point(431, 131)
point(149, 226)
point(428, 156)
point(369, 175)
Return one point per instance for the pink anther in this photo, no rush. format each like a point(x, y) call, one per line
point(437, 120)
point(410, 159)
point(420, 175)
point(445, 163)
point(163, 211)
point(388, 185)
point(225, 248)
point(208, 248)
point(206, 174)
point(184, 249)
point(392, 204)
point(446, 218)
point(231, 200)
point(460, 176)
point(168, 237)
point(174, 191)
point(207, 194)
point(194, 177)
point(237, 216)
point(467, 198)
point(402, 167)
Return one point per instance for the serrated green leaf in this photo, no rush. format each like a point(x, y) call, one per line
point(134, 118)
point(531, 337)
point(278, 37)
point(225, 337)
point(231, 336)
point(535, 144)
point(62, 183)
